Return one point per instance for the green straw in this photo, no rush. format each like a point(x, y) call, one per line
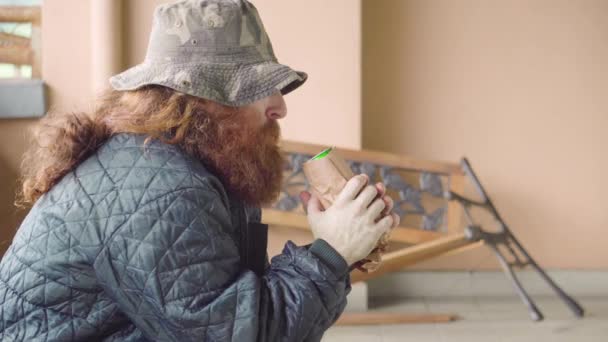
point(322, 154)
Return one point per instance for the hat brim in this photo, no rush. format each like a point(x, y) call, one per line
point(228, 84)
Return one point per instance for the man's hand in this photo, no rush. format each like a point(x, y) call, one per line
point(305, 197)
point(351, 225)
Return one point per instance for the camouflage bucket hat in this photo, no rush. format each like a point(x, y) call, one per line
point(213, 49)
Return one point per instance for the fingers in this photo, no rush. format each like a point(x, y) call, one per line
point(352, 188)
point(387, 199)
point(396, 220)
point(376, 208)
point(389, 205)
point(314, 205)
point(305, 197)
point(366, 196)
point(381, 189)
point(385, 224)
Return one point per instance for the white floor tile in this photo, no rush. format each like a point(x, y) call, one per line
point(501, 319)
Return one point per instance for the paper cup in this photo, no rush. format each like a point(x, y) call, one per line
point(327, 174)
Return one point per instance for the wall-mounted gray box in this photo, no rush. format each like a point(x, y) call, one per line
point(22, 98)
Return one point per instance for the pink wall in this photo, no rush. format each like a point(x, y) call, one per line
point(66, 53)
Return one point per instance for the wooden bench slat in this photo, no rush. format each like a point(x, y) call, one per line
point(16, 55)
point(9, 39)
point(20, 14)
point(397, 260)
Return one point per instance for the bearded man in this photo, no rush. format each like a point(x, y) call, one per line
point(145, 221)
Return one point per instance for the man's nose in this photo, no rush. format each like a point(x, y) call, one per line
point(277, 108)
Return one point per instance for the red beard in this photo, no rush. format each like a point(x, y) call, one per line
point(247, 159)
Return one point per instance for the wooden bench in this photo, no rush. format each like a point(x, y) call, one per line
point(436, 218)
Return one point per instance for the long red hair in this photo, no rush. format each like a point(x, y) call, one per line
point(63, 140)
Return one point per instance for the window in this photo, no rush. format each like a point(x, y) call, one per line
point(21, 89)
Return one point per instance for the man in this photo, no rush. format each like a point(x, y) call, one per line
point(146, 214)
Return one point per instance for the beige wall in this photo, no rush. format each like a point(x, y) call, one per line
point(521, 89)
point(66, 49)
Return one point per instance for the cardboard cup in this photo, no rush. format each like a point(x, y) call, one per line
point(327, 174)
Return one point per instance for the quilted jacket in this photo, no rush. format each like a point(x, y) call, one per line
point(144, 243)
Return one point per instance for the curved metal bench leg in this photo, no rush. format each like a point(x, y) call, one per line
point(506, 238)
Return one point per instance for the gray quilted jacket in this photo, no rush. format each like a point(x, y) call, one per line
point(137, 245)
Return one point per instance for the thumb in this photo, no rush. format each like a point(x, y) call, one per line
point(305, 197)
point(314, 205)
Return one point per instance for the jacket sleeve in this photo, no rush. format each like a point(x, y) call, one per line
point(174, 269)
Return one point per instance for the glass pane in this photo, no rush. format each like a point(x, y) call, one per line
point(20, 2)
point(7, 70)
point(17, 29)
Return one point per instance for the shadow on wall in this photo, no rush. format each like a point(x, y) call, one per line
point(10, 216)
point(14, 140)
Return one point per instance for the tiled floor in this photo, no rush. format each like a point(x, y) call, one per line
point(483, 319)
